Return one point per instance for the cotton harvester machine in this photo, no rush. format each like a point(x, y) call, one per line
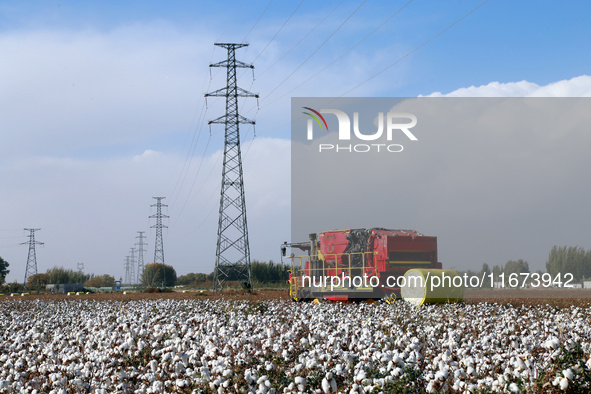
point(365, 264)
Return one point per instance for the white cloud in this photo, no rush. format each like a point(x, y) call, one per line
point(147, 155)
point(575, 87)
point(90, 210)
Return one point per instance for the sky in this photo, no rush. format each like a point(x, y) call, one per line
point(103, 107)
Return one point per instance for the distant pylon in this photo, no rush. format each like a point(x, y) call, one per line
point(127, 271)
point(158, 244)
point(140, 256)
point(31, 269)
point(132, 266)
point(80, 267)
point(232, 260)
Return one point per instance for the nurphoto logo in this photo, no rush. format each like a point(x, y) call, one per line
point(393, 123)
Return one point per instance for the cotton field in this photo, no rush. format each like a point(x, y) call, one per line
point(278, 346)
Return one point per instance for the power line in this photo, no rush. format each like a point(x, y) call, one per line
point(344, 53)
point(278, 31)
point(414, 50)
point(316, 50)
point(257, 21)
point(302, 40)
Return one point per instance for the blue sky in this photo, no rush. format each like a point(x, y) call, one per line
point(103, 104)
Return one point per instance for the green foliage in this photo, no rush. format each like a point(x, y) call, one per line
point(516, 267)
point(61, 275)
point(100, 281)
point(191, 279)
point(571, 259)
point(152, 275)
point(267, 272)
point(261, 272)
point(38, 280)
point(3, 270)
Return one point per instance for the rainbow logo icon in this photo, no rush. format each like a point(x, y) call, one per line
point(316, 118)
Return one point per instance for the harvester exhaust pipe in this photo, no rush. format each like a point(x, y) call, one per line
point(313, 257)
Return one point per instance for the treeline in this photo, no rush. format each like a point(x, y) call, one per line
point(561, 260)
point(61, 275)
point(510, 267)
point(572, 259)
point(262, 272)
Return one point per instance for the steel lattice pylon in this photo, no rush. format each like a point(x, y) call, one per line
point(132, 266)
point(31, 269)
point(128, 271)
point(232, 251)
point(140, 256)
point(159, 245)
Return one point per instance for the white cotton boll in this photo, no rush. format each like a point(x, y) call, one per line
point(563, 384)
point(396, 372)
point(431, 387)
point(333, 385)
point(360, 376)
point(325, 385)
point(568, 373)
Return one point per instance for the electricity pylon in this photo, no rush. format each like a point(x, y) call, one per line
point(127, 271)
point(31, 269)
point(132, 266)
point(140, 256)
point(159, 245)
point(232, 251)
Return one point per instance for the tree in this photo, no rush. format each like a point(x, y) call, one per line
point(61, 275)
point(191, 279)
point(3, 270)
point(569, 260)
point(152, 275)
point(269, 271)
point(516, 267)
point(37, 280)
point(100, 281)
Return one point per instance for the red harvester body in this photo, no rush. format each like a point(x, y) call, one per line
point(372, 259)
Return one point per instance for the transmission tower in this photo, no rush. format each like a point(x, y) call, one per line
point(31, 269)
point(158, 245)
point(127, 271)
point(132, 266)
point(80, 267)
point(140, 256)
point(232, 252)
